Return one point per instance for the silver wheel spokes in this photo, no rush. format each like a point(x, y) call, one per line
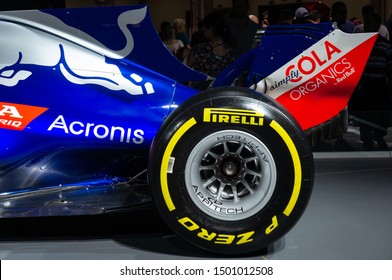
point(230, 174)
point(230, 179)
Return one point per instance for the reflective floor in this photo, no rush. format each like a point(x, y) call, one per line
point(349, 217)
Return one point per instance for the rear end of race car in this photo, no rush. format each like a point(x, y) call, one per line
point(231, 169)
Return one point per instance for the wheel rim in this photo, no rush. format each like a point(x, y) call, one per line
point(230, 175)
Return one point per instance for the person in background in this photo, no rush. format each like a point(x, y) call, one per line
point(371, 102)
point(241, 27)
point(180, 31)
point(264, 20)
point(357, 21)
point(285, 17)
point(314, 17)
point(301, 15)
point(339, 17)
point(254, 18)
point(163, 26)
point(214, 55)
point(388, 25)
point(175, 46)
point(368, 11)
point(198, 36)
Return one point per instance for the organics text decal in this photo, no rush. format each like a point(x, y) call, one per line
point(336, 73)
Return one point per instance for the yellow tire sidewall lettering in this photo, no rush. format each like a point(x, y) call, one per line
point(216, 237)
point(166, 159)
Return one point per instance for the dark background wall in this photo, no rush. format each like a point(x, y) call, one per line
point(31, 4)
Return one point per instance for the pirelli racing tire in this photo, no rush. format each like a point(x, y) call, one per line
point(230, 171)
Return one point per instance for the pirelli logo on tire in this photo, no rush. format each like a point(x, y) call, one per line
point(233, 116)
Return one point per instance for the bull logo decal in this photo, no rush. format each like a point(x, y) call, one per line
point(44, 40)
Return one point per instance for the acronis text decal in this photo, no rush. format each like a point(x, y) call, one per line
point(100, 131)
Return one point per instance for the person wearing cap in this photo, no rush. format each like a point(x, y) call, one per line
point(301, 15)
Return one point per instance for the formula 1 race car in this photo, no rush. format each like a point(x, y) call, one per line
point(96, 116)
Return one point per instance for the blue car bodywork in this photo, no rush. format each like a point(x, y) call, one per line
point(105, 124)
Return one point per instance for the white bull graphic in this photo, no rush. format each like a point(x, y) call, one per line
point(44, 40)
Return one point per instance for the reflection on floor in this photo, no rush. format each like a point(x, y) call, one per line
point(351, 142)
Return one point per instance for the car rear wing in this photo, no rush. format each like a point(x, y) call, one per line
point(311, 69)
point(317, 84)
